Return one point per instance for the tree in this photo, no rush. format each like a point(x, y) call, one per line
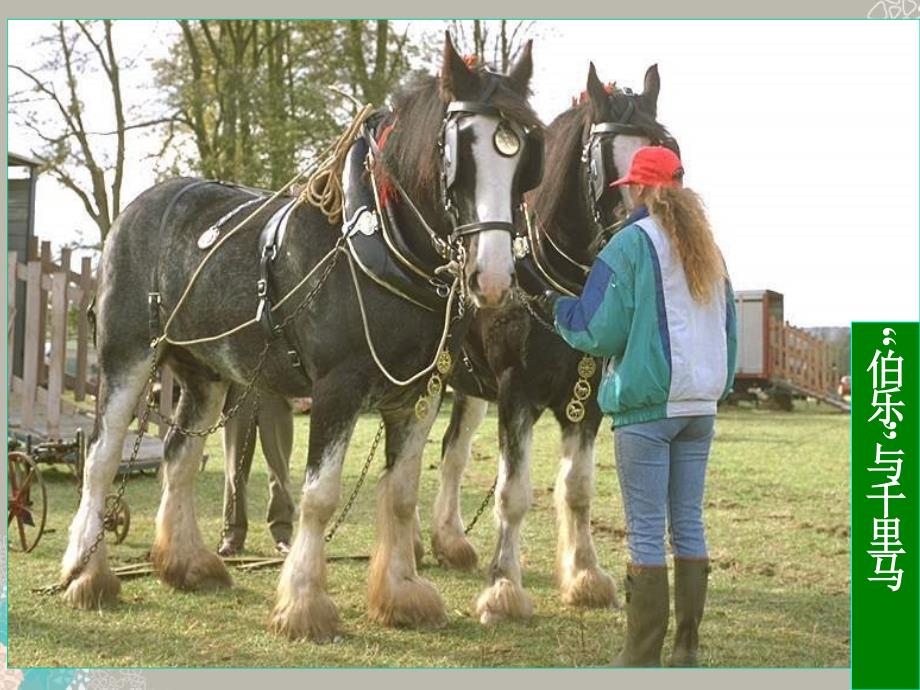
point(371, 82)
point(495, 41)
point(254, 96)
point(73, 153)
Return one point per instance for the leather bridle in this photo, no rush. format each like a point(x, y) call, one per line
point(599, 138)
point(448, 150)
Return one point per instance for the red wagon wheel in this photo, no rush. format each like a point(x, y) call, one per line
point(28, 502)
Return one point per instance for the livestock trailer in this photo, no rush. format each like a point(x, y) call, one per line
point(778, 359)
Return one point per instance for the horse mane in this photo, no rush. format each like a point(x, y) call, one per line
point(562, 142)
point(411, 154)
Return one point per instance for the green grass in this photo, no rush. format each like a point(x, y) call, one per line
point(777, 511)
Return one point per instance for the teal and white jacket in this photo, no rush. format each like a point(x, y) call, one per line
point(669, 355)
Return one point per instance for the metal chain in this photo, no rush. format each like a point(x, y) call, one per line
point(224, 417)
point(523, 299)
point(354, 494)
point(482, 508)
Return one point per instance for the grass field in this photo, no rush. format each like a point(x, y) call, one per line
point(777, 512)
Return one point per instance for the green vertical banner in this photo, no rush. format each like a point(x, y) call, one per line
point(885, 496)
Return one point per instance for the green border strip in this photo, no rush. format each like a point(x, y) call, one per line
point(884, 621)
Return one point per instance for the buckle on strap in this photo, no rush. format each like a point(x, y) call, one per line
point(476, 228)
point(153, 315)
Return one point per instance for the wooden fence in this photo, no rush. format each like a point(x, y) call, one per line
point(57, 329)
point(804, 360)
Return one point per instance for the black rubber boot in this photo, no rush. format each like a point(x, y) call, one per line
point(646, 615)
point(691, 579)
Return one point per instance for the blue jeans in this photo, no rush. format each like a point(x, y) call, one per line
point(661, 466)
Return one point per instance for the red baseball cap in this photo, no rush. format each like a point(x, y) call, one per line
point(653, 166)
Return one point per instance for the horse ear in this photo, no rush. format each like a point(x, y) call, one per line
point(522, 70)
point(598, 95)
point(457, 80)
point(651, 88)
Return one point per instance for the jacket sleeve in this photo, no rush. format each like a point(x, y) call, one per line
point(598, 321)
point(731, 336)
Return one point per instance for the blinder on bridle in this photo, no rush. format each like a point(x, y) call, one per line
point(509, 139)
point(598, 154)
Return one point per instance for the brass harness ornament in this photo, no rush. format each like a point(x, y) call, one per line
point(581, 391)
point(435, 384)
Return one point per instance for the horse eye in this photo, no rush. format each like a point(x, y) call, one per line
point(506, 141)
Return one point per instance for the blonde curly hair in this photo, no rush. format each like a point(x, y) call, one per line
point(680, 211)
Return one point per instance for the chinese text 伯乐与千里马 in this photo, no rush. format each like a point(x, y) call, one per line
point(886, 385)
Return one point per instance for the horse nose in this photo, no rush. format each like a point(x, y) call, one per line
point(491, 289)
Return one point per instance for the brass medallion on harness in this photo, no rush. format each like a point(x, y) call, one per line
point(581, 391)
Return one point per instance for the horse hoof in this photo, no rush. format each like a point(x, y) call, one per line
point(454, 552)
point(410, 602)
point(504, 600)
point(204, 571)
point(93, 589)
point(313, 617)
point(590, 588)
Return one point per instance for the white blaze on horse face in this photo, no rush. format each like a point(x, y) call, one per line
point(493, 263)
point(624, 148)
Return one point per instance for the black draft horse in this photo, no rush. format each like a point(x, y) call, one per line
point(514, 359)
point(155, 247)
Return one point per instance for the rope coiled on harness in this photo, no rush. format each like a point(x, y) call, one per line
point(324, 188)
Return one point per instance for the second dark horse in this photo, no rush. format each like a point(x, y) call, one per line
point(519, 363)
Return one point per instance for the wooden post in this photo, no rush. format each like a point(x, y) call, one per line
point(58, 351)
point(10, 316)
point(30, 359)
point(66, 253)
point(47, 264)
point(83, 330)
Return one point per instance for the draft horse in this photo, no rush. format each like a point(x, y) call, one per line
point(513, 358)
point(452, 190)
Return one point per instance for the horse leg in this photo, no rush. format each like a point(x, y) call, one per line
point(397, 596)
point(581, 581)
point(179, 554)
point(448, 541)
point(93, 582)
point(303, 609)
point(505, 597)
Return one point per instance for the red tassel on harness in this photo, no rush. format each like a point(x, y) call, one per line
point(385, 189)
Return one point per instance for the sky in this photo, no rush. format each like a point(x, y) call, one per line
point(802, 138)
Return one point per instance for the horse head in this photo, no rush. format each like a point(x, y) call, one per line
point(487, 152)
point(616, 123)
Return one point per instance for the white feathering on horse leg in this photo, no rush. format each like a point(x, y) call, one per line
point(581, 581)
point(303, 609)
point(97, 583)
point(505, 597)
point(397, 596)
point(179, 554)
point(449, 544)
